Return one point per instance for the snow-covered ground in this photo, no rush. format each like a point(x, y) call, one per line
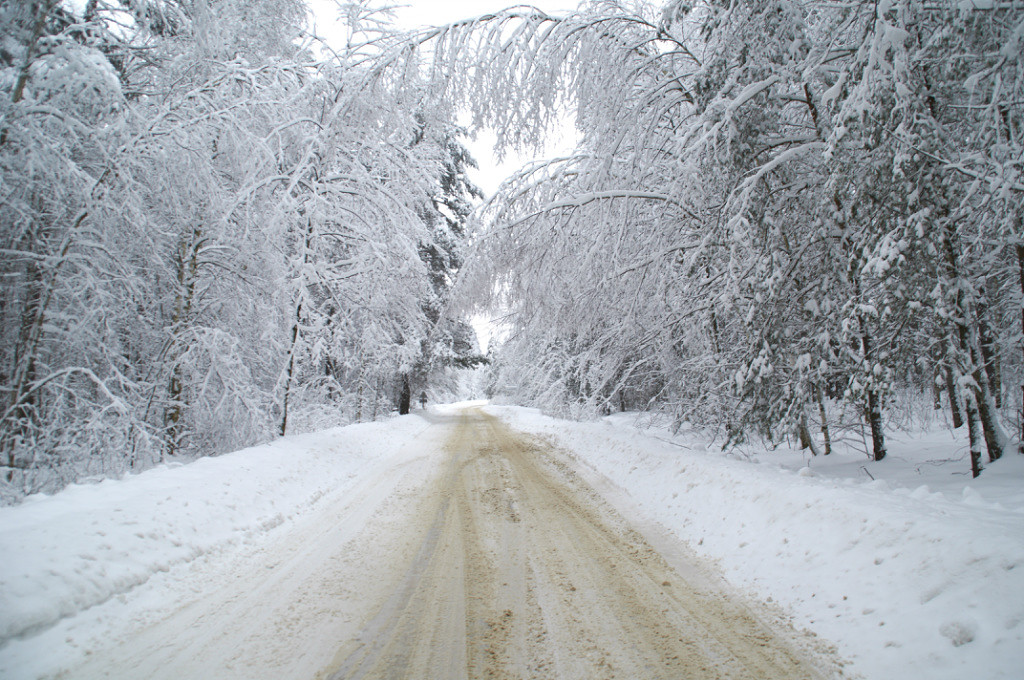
point(92, 544)
point(918, 573)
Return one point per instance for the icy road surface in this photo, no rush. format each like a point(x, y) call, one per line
point(480, 555)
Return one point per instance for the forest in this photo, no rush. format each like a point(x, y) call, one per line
point(782, 219)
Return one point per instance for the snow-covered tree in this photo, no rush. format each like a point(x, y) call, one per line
point(771, 204)
point(209, 232)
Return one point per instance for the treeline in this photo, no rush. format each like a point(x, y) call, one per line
point(779, 212)
point(211, 232)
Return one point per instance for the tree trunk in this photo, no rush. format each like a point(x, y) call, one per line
point(173, 412)
point(1020, 263)
point(331, 374)
point(973, 433)
point(289, 372)
point(965, 318)
point(989, 352)
point(995, 438)
point(824, 419)
point(376, 400)
point(806, 440)
point(978, 399)
point(307, 245)
point(874, 406)
point(875, 421)
point(936, 356)
point(405, 396)
point(22, 407)
point(952, 391)
point(714, 334)
point(186, 263)
point(359, 400)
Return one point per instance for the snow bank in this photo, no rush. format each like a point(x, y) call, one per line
point(88, 543)
point(908, 581)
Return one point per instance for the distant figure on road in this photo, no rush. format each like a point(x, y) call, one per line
point(423, 399)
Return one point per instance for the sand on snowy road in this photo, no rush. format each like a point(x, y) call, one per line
point(524, 572)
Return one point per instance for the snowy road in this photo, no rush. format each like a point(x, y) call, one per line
point(524, 572)
point(478, 553)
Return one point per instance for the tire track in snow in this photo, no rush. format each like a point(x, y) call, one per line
point(524, 572)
